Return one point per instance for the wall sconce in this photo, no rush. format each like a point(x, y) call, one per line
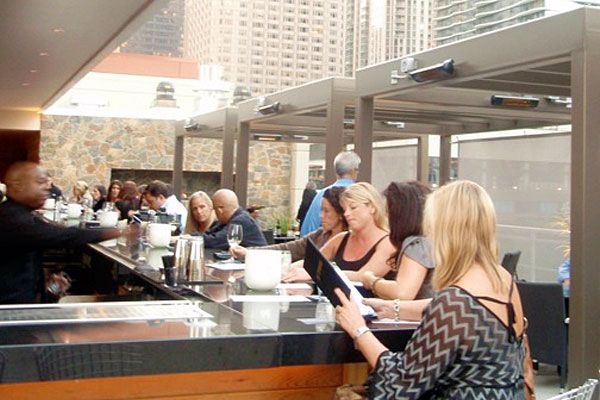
point(514, 101)
point(566, 102)
point(263, 108)
point(436, 72)
point(193, 126)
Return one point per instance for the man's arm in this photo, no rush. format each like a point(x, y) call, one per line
point(216, 238)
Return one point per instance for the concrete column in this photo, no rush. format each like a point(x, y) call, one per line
point(177, 180)
point(241, 163)
point(584, 327)
point(228, 143)
point(363, 137)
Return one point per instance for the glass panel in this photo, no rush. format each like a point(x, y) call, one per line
point(528, 179)
point(393, 164)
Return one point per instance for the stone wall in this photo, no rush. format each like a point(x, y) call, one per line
point(88, 148)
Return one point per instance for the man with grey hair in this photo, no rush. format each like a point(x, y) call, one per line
point(346, 166)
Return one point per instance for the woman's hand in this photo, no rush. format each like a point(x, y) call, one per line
point(367, 278)
point(383, 308)
point(348, 315)
point(238, 252)
point(296, 274)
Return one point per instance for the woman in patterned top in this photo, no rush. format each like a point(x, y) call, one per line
point(469, 343)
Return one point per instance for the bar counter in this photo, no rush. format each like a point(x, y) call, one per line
point(263, 349)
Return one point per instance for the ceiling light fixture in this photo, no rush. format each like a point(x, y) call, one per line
point(514, 101)
point(394, 124)
point(44, 54)
point(266, 137)
point(33, 71)
point(25, 84)
point(58, 30)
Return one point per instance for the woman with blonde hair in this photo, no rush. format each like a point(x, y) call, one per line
point(81, 195)
point(367, 246)
point(469, 343)
point(200, 213)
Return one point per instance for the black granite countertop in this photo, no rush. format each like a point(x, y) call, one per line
point(240, 334)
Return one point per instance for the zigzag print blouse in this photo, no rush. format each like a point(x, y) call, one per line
point(461, 350)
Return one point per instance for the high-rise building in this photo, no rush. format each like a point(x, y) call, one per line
point(267, 45)
point(459, 19)
point(161, 36)
point(379, 30)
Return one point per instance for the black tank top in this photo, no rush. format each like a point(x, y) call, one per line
point(353, 265)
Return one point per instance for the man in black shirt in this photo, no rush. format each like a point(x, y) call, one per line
point(23, 236)
point(228, 211)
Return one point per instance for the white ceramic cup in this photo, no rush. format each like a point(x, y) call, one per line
point(159, 235)
point(263, 269)
point(49, 204)
point(109, 219)
point(74, 210)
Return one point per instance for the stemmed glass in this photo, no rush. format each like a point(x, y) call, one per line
point(235, 234)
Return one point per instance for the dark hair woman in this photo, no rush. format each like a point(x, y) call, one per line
point(99, 196)
point(113, 191)
point(412, 263)
point(332, 221)
point(128, 201)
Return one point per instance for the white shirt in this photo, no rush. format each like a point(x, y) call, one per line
point(174, 207)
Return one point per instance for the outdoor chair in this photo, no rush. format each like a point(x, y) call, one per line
point(510, 261)
point(269, 237)
point(544, 307)
point(583, 392)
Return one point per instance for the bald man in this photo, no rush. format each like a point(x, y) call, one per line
point(228, 211)
point(24, 236)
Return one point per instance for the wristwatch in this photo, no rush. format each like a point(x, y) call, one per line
point(359, 332)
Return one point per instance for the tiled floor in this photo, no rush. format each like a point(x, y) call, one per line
point(547, 382)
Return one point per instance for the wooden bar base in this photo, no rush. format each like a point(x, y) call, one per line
point(296, 382)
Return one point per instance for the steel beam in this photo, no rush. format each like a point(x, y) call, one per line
point(363, 137)
point(334, 136)
point(445, 159)
point(177, 179)
point(229, 129)
point(241, 163)
point(584, 327)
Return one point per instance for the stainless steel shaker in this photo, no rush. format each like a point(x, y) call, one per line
point(182, 252)
point(196, 259)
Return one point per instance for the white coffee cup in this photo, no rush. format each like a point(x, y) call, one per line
point(263, 269)
point(109, 219)
point(49, 204)
point(74, 210)
point(159, 235)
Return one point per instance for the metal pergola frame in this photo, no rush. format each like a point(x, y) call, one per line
point(554, 56)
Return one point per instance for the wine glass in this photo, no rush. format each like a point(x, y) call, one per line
point(235, 233)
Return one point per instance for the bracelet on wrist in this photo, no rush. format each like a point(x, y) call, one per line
point(359, 332)
point(397, 309)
